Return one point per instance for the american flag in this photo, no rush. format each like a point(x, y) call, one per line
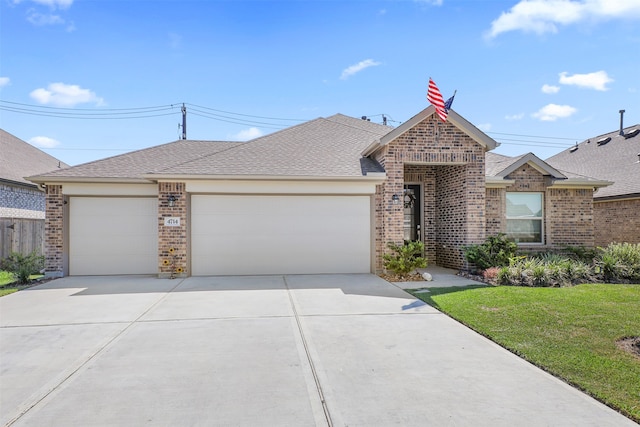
point(435, 97)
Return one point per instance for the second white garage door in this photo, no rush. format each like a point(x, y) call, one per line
point(280, 234)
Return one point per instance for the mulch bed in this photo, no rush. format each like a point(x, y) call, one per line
point(414, 277)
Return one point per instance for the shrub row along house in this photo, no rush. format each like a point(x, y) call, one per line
point(325, 196)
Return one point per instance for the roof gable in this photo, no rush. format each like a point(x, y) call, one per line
point(503, 166)
point(454, 118)
point(20, 159)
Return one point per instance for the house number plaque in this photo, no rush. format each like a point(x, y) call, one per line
point(172, 221)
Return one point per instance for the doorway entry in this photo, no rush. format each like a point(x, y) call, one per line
point(412, 198)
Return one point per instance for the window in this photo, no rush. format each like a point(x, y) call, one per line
point(524, 217)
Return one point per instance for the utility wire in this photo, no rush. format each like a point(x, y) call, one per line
point(245, 115)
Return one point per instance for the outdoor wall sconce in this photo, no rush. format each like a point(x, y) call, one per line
point(395, 199)
point(172, 200)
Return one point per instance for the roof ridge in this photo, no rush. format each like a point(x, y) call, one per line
point(355, 127)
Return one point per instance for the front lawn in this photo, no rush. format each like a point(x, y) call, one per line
point(570, 332)
point(9, 285)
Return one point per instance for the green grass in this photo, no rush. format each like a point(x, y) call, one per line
point(6, 278)
point(569, 332)
point(8, 283)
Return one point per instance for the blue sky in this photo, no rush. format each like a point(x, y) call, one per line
point(88, 79)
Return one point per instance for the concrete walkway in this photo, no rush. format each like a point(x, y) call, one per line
point(323, 350)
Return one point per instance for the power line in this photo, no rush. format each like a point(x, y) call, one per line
point(212, 114)
point(246, 115)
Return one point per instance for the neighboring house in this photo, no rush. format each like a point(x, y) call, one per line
point(614, 156)
point(20, 198)
point(325, 196)
point(22, 203)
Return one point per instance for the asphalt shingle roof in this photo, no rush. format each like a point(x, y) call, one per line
point(324, 147)
point(19, 159)
point(137, 163)
point(616, 160)
point(496, 163)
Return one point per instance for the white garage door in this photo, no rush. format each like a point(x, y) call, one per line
point(280, 234)
point(112, 235)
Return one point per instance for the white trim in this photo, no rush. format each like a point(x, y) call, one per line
point(540, 218)
point(281, 187)
point(109, 189)
point(492, 182)
point(580, 183)
point(535, 162)
point(376, 177)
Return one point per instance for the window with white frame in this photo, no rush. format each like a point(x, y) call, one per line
point(525, 217)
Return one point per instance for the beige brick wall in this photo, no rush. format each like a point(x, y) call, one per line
point(616, 221)
point(496, 208)
point(568, 212)
point(54, 231)
point(172, 240)
point(450, 165)
point(569, 217)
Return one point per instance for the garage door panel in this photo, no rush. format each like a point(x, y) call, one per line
point(113, 236)
point(280, 234)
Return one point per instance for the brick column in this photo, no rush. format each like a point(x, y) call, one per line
point(172, 239)
point(54, 232)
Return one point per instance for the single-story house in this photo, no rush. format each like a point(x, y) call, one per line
point(325, 196)
point(22, 203)
point(20, 198)
point(614, 156)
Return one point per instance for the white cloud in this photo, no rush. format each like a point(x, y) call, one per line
point(550, 89)
point(485, 127)
point(4, 81)
point(41, 19)
point(64, 95)
point(553, 112)
point(544, 16)
point(247, 134)
point(431, 2)
point(353, 69)
point(43, 142)
point(53, 4)
point(597, 80)
point(515, 117)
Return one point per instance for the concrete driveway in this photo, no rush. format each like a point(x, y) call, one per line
point(342, 350)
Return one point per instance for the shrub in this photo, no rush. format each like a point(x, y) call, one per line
point(494, 252)
point(23, 266)
point(619, 262)
point(405, 258)
point(544, 270)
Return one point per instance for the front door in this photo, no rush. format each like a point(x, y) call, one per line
point(412, 218)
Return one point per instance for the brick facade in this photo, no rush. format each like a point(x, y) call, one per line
point(450, 167)
point(54, 231)
point(172, 240)
point(568, 212)
point(21, 202)
point(616, 221)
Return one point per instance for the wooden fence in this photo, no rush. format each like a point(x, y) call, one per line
point(21, 235)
